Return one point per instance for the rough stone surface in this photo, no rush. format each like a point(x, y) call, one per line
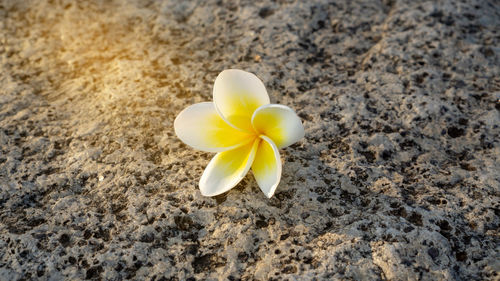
point(397, 177)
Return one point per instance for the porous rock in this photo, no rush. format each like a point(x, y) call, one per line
point(397, 177)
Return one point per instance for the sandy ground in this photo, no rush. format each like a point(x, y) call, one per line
point(398, 177)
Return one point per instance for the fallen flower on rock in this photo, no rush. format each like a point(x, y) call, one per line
point(244, 128)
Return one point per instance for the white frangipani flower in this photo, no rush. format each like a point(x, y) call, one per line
point(243, 128)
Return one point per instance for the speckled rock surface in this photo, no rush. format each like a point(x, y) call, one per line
point(397, 177)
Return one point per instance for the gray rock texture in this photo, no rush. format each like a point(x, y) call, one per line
point(397, 178)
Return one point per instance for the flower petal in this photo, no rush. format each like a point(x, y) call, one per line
point(266, 167)
point(237, 94)
point(278, 122)
point(201, 127)
point(227, 169)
